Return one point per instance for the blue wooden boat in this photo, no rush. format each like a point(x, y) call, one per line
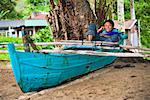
point(35, 71)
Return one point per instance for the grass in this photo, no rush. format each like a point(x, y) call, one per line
point(147, 52)
point(148, 58)
point(4, 57)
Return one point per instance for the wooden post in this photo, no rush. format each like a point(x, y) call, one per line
point(121, 20)
point(139, 34)
point(132, 11)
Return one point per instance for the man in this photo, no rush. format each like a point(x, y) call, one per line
point(107, 32)
point(27, 41)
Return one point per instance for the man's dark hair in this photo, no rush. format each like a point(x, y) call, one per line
point(23, 26)
point(110, 21)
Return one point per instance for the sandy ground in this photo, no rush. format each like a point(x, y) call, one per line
point(125, 79)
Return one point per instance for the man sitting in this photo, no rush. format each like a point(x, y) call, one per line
point(107, 32)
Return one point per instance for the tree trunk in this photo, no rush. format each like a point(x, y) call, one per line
point(132, 11)
point(70, 18)
point(121, 20)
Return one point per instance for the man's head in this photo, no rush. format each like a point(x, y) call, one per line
point(22, 27)
point(108, 25)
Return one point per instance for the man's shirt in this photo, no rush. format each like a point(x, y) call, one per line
point(113, 32)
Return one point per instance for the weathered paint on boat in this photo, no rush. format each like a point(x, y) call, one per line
point(36, 71)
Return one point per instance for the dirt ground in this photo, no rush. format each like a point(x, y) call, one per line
point(125, 79)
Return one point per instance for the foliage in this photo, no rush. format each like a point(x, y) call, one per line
point(3, 13)
point(44, 35)
point(10, 39)
point(38, 5)
point(7, 10)
point(34, 6)
point(18, 9)
point(143, 13)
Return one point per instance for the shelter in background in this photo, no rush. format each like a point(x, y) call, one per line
point(12, 28)
point(131, 28)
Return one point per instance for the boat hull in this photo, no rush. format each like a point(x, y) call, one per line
point(36, 71)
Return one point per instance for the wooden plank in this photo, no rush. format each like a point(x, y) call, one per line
point(89, 43)
point(5, 45)
point(72, 42)
point(85, 52)
point(138, 48)
point(79, 41)
point(6, 51)
point(3, 51)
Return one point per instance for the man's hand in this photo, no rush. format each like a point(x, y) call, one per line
point(100, 29)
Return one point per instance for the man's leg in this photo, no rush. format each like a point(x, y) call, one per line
point(32, 43)
point(26, 47)
point(91, 32)
point(89, 37)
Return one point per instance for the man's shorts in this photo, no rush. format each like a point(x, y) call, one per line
point(90, 32)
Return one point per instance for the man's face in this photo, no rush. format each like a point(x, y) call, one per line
point(108, 27)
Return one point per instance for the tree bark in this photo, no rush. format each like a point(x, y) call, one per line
point(121, 20)
point(63, 20)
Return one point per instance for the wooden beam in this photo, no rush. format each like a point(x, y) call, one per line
point(131, 47)
point(6, 51)
point(85, 52)
point(99, 44)
point(71, 42)
point(139, 33)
